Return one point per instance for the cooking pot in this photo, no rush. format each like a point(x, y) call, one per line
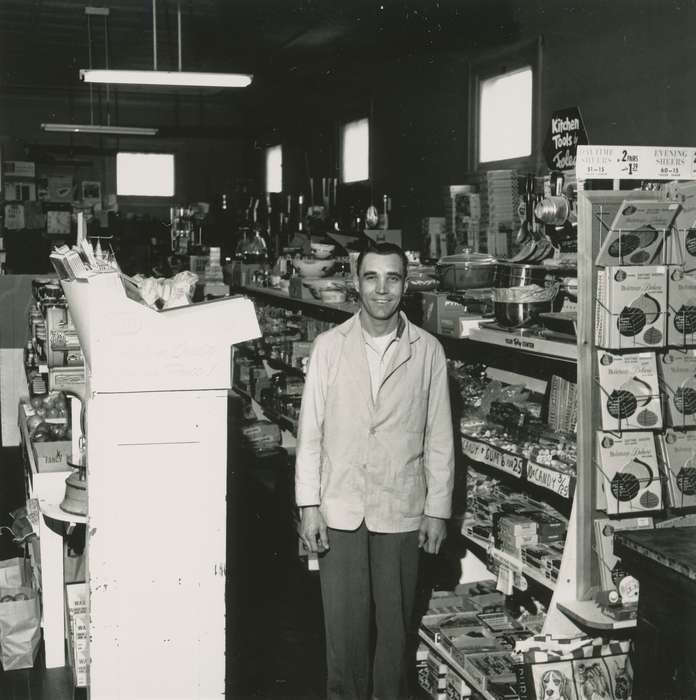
point(465, 270)
point(522, 292)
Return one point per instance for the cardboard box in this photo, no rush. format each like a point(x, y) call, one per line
point(52, 456)
point(638, 231)
point(446, 317)
point(631, 307)
point(678, 452)
point(681, 323)
point(630, 391)
point(678, 384)
point(630, 473)
point(77, 614)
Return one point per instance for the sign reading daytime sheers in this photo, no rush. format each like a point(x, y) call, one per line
point(636, 162)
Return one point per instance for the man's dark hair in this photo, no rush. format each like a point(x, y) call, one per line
point(384, 249)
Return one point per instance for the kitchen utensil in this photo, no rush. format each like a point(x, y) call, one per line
point(465, 270)
point(522, 292)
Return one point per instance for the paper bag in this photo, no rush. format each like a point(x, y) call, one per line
point(20, 628)
point(14, 573)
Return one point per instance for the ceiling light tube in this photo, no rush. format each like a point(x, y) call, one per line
point(101, 129)
point(170, 78)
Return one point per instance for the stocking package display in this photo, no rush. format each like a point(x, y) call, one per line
point(681, 324)
point(638, 233)
point(630, 393)
point(631, 307)
point(682, 240)
point(678, 383)
point(611, 570)
point(630, 475)
point(678, 453)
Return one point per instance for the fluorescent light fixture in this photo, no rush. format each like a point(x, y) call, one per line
point(101, 129)
point(160, 77)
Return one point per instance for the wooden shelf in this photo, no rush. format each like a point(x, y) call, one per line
point(588, 614)
point(283, 421)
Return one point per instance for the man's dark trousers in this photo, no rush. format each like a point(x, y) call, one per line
point(359, 567)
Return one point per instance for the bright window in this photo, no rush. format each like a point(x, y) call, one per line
point(145, 174)
point(505, 116)
point(274, 169)
point(355, 153)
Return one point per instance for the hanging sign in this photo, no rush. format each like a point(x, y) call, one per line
point(566, 132)
point(636, 162)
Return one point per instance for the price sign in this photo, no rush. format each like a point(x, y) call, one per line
point(493, 457)
point(549, 479)
point(636, 162)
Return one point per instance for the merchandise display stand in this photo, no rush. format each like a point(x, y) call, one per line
point(49, 488)
point(157, 386)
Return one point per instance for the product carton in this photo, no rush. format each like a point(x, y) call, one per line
point(611, 570)
point(678, 384)
point(629, 472)
point(637, 233)
point(682, 241)
point(52, 456)
point(681, 324)
point(631, 307)
point(447, 317)
point(630, 394)
point(678, 452)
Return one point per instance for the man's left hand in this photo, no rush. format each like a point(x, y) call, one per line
point(432, 534)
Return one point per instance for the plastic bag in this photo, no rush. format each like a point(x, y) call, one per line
point(20, 628)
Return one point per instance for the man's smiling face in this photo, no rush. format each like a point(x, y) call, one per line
point(381, 283)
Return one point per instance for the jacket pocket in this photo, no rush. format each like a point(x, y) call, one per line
point(413, 501)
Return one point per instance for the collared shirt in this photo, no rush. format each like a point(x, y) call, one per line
point(379, 350)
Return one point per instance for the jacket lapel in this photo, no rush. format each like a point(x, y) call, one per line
point(356, 361)
point(407, 334)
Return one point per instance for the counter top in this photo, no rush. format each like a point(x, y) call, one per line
point(671, 547)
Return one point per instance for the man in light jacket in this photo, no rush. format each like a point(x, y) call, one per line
point(374, 475)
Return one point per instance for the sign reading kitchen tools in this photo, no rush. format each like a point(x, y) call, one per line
point(566, 132)
point(636, 162)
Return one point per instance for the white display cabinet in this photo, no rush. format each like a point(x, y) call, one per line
point(156, 385)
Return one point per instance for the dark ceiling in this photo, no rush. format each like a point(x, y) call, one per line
point(44, 43)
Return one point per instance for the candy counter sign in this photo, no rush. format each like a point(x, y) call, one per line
point(549, 479)
point(566, 132)
point(487, 454)
point(636, 162)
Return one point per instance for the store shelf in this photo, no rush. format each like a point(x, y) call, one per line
point(526, 342)
point(273, 364)
point(511, 562)
point(515, 465)
point(283, 421)
point(588, 614)
point(454, 663)
point(346, 309)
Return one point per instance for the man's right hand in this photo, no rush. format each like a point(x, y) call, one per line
point(313, 530)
